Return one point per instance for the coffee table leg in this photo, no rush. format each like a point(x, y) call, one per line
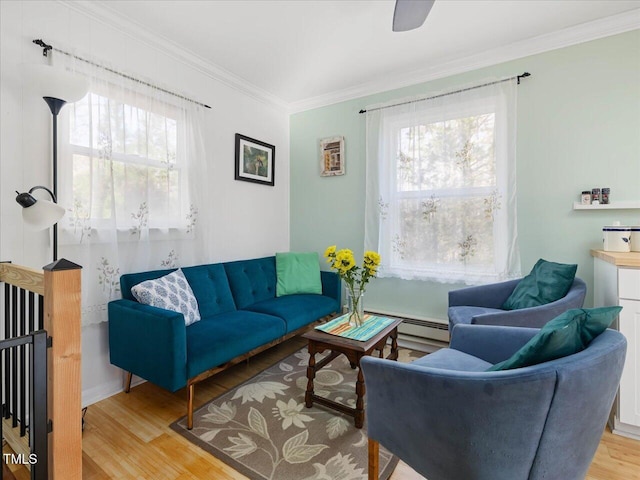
point(360, 390)
point(311, 373)
point(394, 345)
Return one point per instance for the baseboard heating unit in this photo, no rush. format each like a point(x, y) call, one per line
point(419, 333)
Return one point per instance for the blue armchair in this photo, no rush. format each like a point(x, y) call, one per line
point(448, 418)
point(482, 305)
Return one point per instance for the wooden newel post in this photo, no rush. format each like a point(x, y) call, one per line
point(62, 321)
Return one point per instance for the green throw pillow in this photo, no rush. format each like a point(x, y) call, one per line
point(565, 335)
point(297, 273)
point(547, 282)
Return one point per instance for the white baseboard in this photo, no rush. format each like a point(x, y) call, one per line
point(106, 390)
point(625, 430)
point(95, 394)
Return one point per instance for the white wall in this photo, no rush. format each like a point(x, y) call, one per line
point(251, 220)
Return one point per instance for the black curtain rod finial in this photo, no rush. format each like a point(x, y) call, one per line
point(45, 47)
point(524, 75)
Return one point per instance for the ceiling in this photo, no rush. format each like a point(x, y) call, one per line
point(303, 52)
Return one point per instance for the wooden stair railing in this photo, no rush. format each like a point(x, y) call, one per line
point(59, 286)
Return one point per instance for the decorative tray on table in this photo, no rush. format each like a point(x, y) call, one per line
point(340, 326)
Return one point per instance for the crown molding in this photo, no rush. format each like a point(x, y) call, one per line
point(139, 32)
point(605, 27)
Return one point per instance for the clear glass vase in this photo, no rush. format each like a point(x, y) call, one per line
point(355, 306)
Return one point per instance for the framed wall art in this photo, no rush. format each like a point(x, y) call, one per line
point(332, 156)
point(255, 160)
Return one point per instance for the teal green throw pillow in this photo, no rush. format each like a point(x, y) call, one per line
point(565, 335)
point(297, 273)
point(547, 282)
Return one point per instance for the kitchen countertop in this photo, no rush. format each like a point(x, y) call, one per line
point(619, 259)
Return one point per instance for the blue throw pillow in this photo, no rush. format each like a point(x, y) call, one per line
point(297, 273)
point(547, 282)
point(565, 335)
point(171, 292)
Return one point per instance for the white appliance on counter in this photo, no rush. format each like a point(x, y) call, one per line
point(616, 238)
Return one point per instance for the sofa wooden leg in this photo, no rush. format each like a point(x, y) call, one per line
point(190, 392)
point(127, 382)
point(374, 459)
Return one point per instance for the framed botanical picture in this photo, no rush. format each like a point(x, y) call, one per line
point(332, 156)
point(255, 160)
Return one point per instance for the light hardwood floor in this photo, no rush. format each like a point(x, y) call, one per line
point(127, 436)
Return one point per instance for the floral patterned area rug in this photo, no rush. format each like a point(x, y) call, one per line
point(262, 428)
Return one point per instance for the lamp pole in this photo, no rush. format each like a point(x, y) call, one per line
point(57, 87)
point(55, 105)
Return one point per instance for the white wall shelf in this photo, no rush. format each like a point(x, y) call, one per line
point(610, 206)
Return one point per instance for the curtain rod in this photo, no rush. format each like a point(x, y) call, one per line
point(518, 77)
point(46, 48)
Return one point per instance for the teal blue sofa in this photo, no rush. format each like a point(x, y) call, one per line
point(241, 316)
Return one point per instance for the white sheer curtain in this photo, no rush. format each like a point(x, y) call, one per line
point(132, 175)
point(441, 191)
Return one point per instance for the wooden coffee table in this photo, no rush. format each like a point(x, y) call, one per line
point(354, 350)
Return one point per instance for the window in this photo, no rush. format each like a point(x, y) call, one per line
point(133, 175)
point(440, 193)
point(126, 163)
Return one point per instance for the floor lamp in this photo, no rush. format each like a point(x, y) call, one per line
point(57, 87)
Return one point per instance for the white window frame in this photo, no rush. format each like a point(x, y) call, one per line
point(391, 127)
point(178, 224)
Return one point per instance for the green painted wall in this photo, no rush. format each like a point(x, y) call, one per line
point(578, 127)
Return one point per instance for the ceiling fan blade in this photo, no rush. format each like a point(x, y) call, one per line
point(410, 14)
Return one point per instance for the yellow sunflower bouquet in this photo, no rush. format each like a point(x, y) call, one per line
point(355, 277)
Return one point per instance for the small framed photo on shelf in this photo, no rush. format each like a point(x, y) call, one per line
point(255, 161)
point(332, 156)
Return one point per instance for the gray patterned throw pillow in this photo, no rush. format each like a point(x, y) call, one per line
point(171, 292)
